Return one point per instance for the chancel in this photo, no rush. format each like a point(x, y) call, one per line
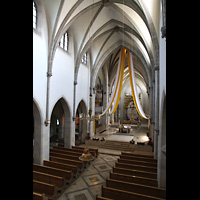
point(99, 99)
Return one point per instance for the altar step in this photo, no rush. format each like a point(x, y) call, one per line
point(121, 146)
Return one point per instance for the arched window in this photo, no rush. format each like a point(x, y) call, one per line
point(64, 41)
point(34, 15)
point(84, 59)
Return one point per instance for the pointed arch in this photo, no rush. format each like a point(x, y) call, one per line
point(37, 131)
point(82, 124)
point(61, 112)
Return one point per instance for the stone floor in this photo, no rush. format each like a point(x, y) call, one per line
point(89, 183)
point(138, 134)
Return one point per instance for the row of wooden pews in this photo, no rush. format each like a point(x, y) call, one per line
point(57, 173)
point(134, 177)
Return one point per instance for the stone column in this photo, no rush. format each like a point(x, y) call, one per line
point(156, 127)
point(163, 28)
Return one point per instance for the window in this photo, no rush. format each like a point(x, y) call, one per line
point(64, 42)
point(84, 59)
point(34, 15)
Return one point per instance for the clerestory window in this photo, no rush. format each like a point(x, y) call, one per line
point(64, 42)
point(84, 59)
point(34, 15)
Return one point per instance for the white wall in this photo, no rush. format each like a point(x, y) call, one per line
point(82, 91)
point(162, 115)
point(61, 86)
point(62, 80)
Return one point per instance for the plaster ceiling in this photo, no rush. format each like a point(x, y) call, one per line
point(102, 31)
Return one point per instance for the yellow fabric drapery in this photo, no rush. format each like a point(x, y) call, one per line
point(115, 97)
point(119, 89)
point(117, 81)
point(133, 87)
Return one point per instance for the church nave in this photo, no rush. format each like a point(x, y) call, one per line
point(99, 81)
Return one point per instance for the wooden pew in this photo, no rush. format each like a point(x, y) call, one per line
point(48, 178)
point(136, 155)
point(90, 149)
point(102, 198)
point(68, 175)
point(79, 164)
point(67, 152)
point(54, 153)
point(136, 162)
point(137, 188)
point(135, 172)
point(38, 196)
point(62, 166)
point(48, 189)
point(136, 167)
point(117, 194)
point(138, 158)
point(74, 150)
point(134, 179)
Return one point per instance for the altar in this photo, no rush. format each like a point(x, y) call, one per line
point(124, 128)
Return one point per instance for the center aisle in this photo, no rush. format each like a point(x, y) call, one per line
point(88, 184)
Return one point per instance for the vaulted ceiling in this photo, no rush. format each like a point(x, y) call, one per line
point(102, 27)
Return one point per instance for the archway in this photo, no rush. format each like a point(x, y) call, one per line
point(60, 124)
point(36, 134)
point(81, 125)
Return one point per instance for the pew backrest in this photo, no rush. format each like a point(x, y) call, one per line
point(135, 172)
point(90, 149)
point(49, 190)
point(136, 162)
point(38, 196)
point(67, 152)
point(136, 167)
point(62, 166)
point(134, 179)
point(79, 164)
point(68, 175)
point(66, 156)
point(74, 150)
point(102, 198)
point(125, 195)
point(48, 178)
point(128, 157)
point(137, 188)
point(137, 155)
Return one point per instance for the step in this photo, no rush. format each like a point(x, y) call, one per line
point(116, 148)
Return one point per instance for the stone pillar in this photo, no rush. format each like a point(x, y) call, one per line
point(45, 143)
point(151, 113)
point(163, 28)
point(156, 127)
point(72, 135)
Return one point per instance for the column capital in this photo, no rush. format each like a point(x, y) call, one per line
point(163, 31)
point(49, 74)
point(156, 67)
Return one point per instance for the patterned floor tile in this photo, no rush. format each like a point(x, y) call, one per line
point(105, 174)
point(111, 163)
point(94, 179)
point(79, 184)
point(95, 190)
point(90, 170)
point(79, 195)
point(109, 158)
point(99, 161)
point(102, 167)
